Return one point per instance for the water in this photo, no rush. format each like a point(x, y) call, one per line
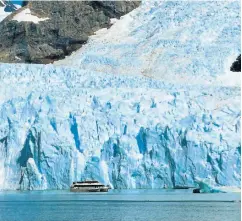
point(137, 205)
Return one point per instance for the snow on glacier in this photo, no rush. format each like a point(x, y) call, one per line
point(98, 118)
point(169, 40)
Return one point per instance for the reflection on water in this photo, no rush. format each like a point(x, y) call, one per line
point(147, 205)
point(119, 195)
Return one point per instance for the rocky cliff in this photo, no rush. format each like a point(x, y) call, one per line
point(236, 66)
point(42, 32)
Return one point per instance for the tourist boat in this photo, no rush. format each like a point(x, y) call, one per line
point(89, 186)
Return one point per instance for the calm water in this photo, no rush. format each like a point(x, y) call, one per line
point(138, 205)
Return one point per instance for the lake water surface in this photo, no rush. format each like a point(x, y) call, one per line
point(125, 205)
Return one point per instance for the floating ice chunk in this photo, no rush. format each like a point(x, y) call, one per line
point(208, 186)
point(205, 186)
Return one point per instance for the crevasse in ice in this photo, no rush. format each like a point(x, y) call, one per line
point(103, 120)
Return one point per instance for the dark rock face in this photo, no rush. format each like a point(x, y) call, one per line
point(196, 191)
point(236, 66)
point(67, 29)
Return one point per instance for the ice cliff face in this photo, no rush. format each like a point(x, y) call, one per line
point(61, 124)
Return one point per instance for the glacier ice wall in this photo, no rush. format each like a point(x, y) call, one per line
point(101, 121)
point(58, 125)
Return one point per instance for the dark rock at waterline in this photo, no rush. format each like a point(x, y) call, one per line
point(67, 28)
point(196, 190)
point(236, 66)
point(181, 187)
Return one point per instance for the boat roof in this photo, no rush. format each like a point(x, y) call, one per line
point(88, 184)
point(87, 181)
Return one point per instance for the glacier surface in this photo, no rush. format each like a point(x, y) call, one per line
point(169, 40)
point(60, 124)
point(103, 120)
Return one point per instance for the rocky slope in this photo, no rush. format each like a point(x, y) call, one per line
point(42, 32)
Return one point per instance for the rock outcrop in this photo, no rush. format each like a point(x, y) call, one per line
point(66, 28)
point(236, 66)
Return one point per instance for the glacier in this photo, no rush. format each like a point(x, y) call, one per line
point(97, 115)
point(61, 124)
point(175, 41)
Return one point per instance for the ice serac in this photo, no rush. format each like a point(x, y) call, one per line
point(60, 124)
